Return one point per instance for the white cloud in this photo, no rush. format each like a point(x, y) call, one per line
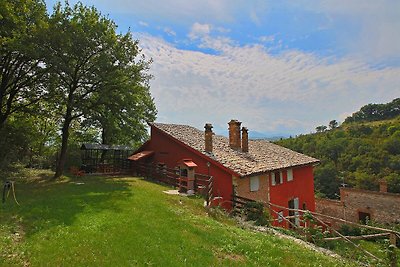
point(169, 31)
point(199, 30)
point(266, 38)
point(377, 36)
point(292, 92)
point(144, 24)
point(202, 33)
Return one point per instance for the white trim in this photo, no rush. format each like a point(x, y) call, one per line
point(289, 173)
point(273, 178)
point(296, 213)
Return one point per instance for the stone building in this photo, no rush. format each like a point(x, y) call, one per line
point(357, 205)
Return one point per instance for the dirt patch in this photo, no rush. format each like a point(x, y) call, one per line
point(224, 256)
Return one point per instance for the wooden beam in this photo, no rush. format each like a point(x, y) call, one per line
point(357, 237)
point(338, 219)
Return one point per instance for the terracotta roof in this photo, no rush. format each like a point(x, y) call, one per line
point(263, 156)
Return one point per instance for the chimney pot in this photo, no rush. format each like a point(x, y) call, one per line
point(234, 134)
point(383, 186)
point(208, 133)
point(245, 139)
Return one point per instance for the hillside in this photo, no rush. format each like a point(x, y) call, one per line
point(358, 153)
point(128, 221)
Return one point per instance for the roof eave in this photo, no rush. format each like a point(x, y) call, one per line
point(205, 156)
point(279, 169)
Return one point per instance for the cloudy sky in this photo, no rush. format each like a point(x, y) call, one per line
point(280, 67)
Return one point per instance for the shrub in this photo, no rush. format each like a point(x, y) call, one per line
point(255, 211)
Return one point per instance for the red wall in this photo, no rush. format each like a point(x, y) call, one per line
point(302, 186)
point(170, 151)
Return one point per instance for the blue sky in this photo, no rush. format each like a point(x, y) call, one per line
point(280, 67)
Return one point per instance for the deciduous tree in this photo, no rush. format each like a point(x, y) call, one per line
point(21, 66)
point(88, 66)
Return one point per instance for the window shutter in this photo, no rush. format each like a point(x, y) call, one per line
point(290, 175)
point(273, 178)
point(281, 177)
point(254, 183)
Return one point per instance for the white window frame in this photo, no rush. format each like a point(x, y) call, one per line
point(273, 178)
point(296, 213)
point(289, 174)
point(254, 183)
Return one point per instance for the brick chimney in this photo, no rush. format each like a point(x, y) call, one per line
point(383, 187)
point(234, 134)
point(245, 139)
point(208, 142)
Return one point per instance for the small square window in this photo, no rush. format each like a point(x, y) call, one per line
point(254, 183)
point(276, 178)
point(289, 175)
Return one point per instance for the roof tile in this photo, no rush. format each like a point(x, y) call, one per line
point(263, 156)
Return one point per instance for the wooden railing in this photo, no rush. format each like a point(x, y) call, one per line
point(158, 172)
point(240, 202)
point(203, 184)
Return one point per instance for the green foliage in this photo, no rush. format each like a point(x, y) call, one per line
point(321, 128)
point(348, 230)
point(333, 124)
point(376, 112)
point(22, 74)
point(358, 154)
point(327, 180)
point(68, 72)
point(255, 212)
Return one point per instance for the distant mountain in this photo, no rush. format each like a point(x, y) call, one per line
point(261, 136)
point(256, 135)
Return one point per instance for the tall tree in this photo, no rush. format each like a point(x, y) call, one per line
point(84, 54)
point(126, 104)
point(333, 124)
point(21, 67)
point(321, 128)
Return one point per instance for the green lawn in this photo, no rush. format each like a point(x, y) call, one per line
point(129, 222)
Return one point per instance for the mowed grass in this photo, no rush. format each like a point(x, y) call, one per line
point(130, 222)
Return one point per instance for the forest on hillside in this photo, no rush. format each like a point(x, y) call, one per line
point(67, 77)
point(358, 153)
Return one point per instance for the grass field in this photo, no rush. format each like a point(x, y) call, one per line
point(130, 222)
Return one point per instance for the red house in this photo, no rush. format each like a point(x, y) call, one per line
point(255, 169)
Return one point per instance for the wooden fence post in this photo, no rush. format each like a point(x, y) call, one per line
point(392, 255)
point(393, 239)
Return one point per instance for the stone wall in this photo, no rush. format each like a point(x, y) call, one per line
point(381, 207)
point(330, 207)
point(243, 188)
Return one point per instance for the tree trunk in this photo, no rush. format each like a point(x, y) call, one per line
point(3, 119)
point(64, 145)
point(104, 141)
